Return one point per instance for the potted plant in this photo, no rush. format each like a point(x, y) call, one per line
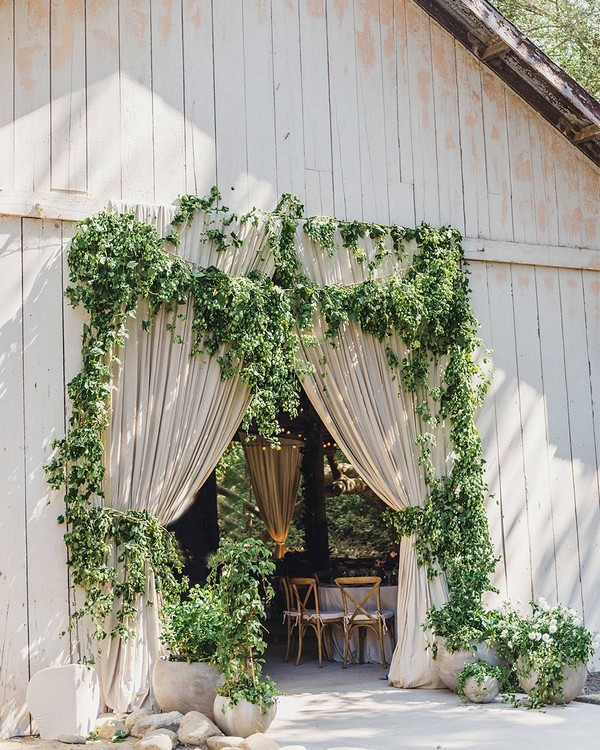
point(187, 680)
point(480, 682)
point(455, 640)
point(552, 648)
point(246, 701)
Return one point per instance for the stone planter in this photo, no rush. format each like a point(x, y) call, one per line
point(184, 687)
point(481, 693)
point(449, 664)
point(242, 720)
point(574, 680)
point(64, 700)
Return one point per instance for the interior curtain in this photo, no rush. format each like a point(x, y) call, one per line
point(275, 478)
point(171, 419)
point(362, 404)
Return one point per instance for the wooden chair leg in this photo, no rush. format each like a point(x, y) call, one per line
point(319, 633)
point(328, 643)
point(300, 634)
point(289, 639)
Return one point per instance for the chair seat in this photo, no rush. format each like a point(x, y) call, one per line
point(385, 614)
point(323, 616)
point(328, 616)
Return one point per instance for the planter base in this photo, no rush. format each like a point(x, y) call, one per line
point(574, 680)
point(184, 687)
point(243, 719)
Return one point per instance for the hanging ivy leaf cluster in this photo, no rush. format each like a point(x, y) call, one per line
point(251, 324)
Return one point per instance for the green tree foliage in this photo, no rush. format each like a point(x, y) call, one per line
point(568, 31)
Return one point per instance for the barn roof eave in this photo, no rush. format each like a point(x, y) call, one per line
point(526, 69)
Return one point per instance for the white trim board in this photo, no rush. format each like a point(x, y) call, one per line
point(70, 207)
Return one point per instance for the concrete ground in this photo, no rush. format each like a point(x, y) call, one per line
point(354, 709)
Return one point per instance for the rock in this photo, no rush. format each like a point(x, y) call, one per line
point(258, 741)
point(108, 724)
point(150, 722)
point(165, 733)
point(135, 716)
point(71, 739)
point(221, 743)
point(154, 742)
point(196, 728)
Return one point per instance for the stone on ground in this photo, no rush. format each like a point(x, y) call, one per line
point(107, 725)
point(222, 743)
point(135, 716)
point(258, 741)
point(166, 733)
point(148, 723)
point(196, 728)
point(155, 742)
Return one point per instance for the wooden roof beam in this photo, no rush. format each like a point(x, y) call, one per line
point(494, 48)
point(586, 134)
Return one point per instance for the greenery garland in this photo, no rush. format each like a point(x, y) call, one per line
point(251, 324)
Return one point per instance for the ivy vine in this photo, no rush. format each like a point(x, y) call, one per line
point(251, 324)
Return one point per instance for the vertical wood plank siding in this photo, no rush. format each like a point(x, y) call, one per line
point(365, 108)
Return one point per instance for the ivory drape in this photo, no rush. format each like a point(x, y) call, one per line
point(374, 422)
point(171, 419)
point(275, 478)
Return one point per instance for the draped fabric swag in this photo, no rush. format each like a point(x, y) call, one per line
point(374, 422)
point(171, 419)
point(275, 478)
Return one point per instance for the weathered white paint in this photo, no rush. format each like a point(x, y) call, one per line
point(365, 108)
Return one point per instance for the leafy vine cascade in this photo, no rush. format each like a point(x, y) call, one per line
point(250, 323)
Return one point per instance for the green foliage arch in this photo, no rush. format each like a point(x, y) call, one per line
point(251, 323)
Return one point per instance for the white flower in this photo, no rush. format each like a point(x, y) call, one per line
point(504, 634)
point(543, 604)
point(510, 644)
point(546, 638)
point(553, 626)
point(572, 612)
point(537, 636)
point(577, 621)
point(531, 636)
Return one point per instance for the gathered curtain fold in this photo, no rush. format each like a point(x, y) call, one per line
point(275, 478)
point(172, 416)
point(373, 419)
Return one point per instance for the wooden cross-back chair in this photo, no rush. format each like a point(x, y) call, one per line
point(362, 612)
point(305, 598)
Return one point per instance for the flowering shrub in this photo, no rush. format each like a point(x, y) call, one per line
point(551, 639)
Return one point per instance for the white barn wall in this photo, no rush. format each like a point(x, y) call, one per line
point(365, 108)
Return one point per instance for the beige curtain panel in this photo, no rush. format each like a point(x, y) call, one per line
point(275, 478)
point(172, 417)
point(375, 424)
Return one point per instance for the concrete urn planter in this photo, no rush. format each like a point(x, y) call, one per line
point(243, 719)
point(481, 693)
point(449, 664)
point(574, 680)
point(184, 687)
point(64, 700)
